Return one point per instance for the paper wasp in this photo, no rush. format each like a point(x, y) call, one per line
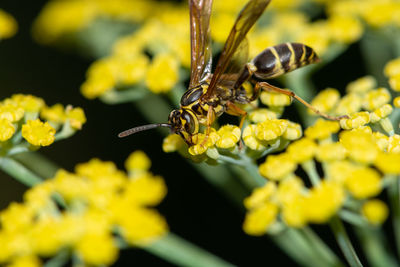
point(211, 94)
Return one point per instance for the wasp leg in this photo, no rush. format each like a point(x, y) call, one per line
point(236, 111)
point(270, 88)
point(210, 120)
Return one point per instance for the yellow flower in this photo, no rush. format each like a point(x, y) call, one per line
point(29, 103)
point(381, 112)
point(388, 163)
point(261, 115)
point(381, 140)
point(276, 167)
point(26, 261)
point(250, 139)
point(330, 152)
point(302, 150)
point(221, 23)
point(229, 136)
point(11, 111)
point(396, 102)
point(199, 148)
point(162, 74)
point(270, 129)
point(138, 160)
point(324, 201)
point(293, 213)
point(260, 195)
point(349, 104)
point(359, 145)
point(362, 85)
point(172, 142)
point(293, 131)
point(132, 69)
point(69, 185)
point(76, 117)
point(355, 120)
point(394, 144)
point(259, 219)
point(376, 98)
point(289, 189)
point(316, 36)
point(375, 211)
point(145, 190)
point(325, 101)
point(55, 113)
point(7, 129)
point(363, 182)
point(97, 249)
point(273, 99)
point(338, 171)
point(346, 29)
point(38, 133)
point(392, 68)
point(394, 82)
point(322, 129)
point(8, 25)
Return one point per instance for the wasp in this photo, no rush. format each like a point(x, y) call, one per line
point(212, 94)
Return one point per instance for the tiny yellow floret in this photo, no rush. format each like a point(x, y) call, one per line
point(138, 160)
point(355, 120)
point(276, 167)
point(388, 163)
point(8, 25)
point(392, 68)
point(376, 98)
point(97, 249)
point(325, 101)
point(260, 195)
point(38, 133)
point(7, 129)
point(162, 73)
point(362, 85)
point(273, 99)
point(363, 182)
point(322, 129)
point(76, 117)
point(302, 150)
point(172, 143)
point(259, 219)
point(375, 211)
point(229, 136)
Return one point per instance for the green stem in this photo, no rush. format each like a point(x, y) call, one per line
point(311, 171)
point(59, 260)
point(183, 253)
point(344, 242)
point(375, 247)
point(37, 163)
point(320, 247)
point(19, 172)
point(124, 96)
point(353, 218)
point(393, 192)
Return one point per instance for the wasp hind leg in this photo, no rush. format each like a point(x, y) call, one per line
point(270, 88)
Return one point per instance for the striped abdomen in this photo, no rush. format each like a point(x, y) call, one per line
point(277, 60)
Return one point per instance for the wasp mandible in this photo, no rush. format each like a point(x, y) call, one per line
point(212, 94)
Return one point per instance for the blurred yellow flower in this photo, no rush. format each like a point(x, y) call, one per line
point(38, 133)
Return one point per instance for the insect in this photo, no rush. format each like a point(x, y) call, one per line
point(212, 94)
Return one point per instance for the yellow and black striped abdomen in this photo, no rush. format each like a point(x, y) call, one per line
point(277, 60)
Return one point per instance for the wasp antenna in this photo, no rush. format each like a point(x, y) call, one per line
point(143, 128)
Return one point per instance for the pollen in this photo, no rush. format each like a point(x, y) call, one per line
point(229, 136)
point(375, 211)
point(38, 133)
point(7, 129)
point(276, 167)
point(364, 182)
point(355, 120)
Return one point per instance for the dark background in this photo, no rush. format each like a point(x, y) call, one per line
point(194, 209)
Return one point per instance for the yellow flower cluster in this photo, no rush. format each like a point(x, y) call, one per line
point(375, 13)
point(19, 115)
point(150, 57)
point(85, 212)
point(8, 25)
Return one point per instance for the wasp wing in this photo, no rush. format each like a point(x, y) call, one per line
point(246, 19)
point(200, 40)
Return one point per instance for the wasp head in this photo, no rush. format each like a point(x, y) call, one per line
point(185, 123)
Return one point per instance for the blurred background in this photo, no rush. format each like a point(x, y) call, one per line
point(194, 209)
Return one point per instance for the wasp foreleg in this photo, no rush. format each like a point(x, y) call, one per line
point(237, 111)
point(210, 120)
point(270, 88)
